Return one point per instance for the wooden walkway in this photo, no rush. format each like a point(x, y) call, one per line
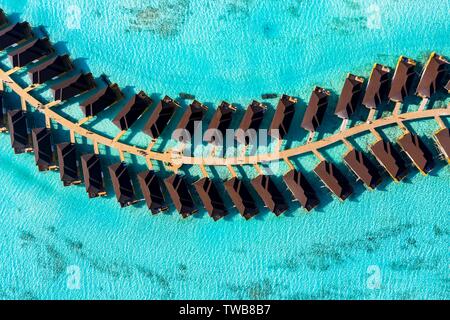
point(175, 160)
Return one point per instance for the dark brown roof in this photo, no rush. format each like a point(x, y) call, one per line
point(378, 87)
point(334, 180)
point(123, 188)
point(93, 175)
point(14, 34)
point(43, 148)
point(151, 189)
point(101, 100)
point(317, 107)
point(447, 86)
point(18, 130)
point(73, 86)
point(160, 117)
point(270, 195)
point(181, 196)
point(211, 198)
point(364, 169)
point(433, 76)
point(221, 121)
point(283, 117)
point(350, 97)
point(132, 111)
point(241, 197)
point(51, 68)
point(33, 50)
point(301, 189)
point(403, 80)
point(417, 151)
point(3, 18)
point(442, 138)
point(68, 165)
point(194, 113)
point(390, 159)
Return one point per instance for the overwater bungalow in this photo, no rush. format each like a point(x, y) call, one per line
point(3, 124)
point(378, 87)
point(442, 138)
point(241, 198)
point(211, 198)
point(30, 52)
point(301, 190)
point(181, 196)
point(270, 195)
point(3, 19)
point(93, 175)
point(417, 151)
point(101, 100)
point(433, 76)
point(121, 181)
point(334, 180)
point(221, 120)
point(161, 117)
point(43, 149)
point(193, 114)
point(363, 168)
point(132, 111)
point(73, 86)
point(151, 189)
point(315, 112)
point(282, 120)
point(403, 79)
point(50, 69)
point(15, 34)
point(68, 164)
point(18, 130)
point(350, 97)
point(390, 159)
point(252, 120)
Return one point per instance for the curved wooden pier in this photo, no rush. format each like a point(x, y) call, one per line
point(175, 160)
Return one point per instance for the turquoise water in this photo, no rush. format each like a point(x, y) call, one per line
point(234, 50)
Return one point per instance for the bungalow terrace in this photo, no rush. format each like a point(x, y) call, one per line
point(30, 52)
point(73, 86)
point(161, 117)
point(211, 198)
point(301, 190)
point(334, 180)
point(363, 168)
point(43, 149)
point(18, 130)
point(378, 87)
point(50, 69)
point(433, 76)
point(442, 138)
point(241, 198)
point(121, 181)
point(68, 164)
point(317, 107)
point(350, 97)
point(181, 196)
point(417, 151)
point(403, 79)
point(390, 159)
point(221, 120)
point(151, 189)
point(270, 195)
point(282, 120)
point(101, 100)
point(93, 175)
point(15, 34)
point(132, 111)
